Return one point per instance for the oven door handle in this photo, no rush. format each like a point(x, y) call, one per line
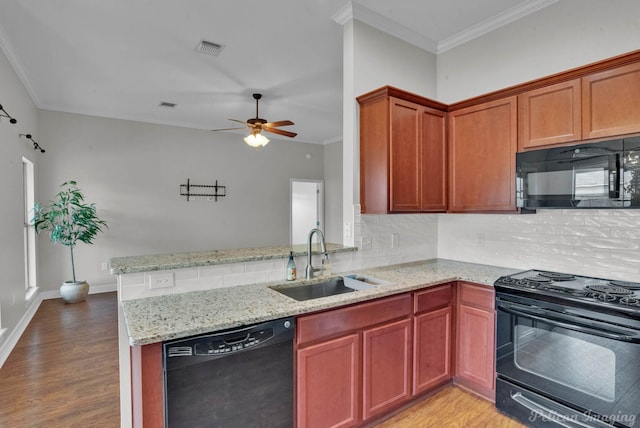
point(552, 415)
point(542, 315)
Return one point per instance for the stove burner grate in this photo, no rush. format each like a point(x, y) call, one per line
point(527, 283)
point(630, 300)
point(557, 276)
point(626, 284)
point(605, 297)
point(609, 289)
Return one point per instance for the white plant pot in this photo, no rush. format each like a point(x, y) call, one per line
point(74, 292)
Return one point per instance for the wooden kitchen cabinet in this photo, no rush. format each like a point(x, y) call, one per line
point(328, 383)
point(482, 148)
point(147, 388)
point(597, 105)
point(475, 342)
point(432, 332)
point(353, 363)
point(386, 367)
point(550, 115)
point(402, 153)
point(610, 104)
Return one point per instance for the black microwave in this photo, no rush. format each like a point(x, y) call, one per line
point(594, 175)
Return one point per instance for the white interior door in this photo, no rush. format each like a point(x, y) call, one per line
point(306, 208)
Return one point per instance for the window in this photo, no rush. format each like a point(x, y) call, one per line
point(29, 230)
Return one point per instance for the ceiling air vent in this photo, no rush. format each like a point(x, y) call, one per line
point(209, 48)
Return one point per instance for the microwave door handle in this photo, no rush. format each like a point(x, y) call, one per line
point(614, 184)
point(615, 174)
point(543, 316)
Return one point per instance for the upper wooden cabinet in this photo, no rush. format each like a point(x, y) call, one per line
point(482, 147)
point(597, 105)
point(610, 103)
point(405, 165)
point(402, 153)
point(549, 115)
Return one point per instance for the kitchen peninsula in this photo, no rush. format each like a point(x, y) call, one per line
point(147, 263)
point(147, 322)
point(155, 319)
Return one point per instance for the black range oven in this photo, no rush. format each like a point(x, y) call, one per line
point(568, 350)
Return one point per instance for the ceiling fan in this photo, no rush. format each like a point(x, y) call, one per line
point(257, 125)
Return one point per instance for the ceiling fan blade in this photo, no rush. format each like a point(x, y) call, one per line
point(279, 131)
point(239, 121)
point(228, 129)
point(280, 123)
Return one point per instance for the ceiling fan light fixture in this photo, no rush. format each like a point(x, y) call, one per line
point(256, 139)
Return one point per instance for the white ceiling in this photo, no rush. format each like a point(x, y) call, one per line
point(121, 58)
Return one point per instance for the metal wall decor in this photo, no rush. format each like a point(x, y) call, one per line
point(214, 191)
point(3, 113)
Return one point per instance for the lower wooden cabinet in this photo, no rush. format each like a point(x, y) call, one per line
point(353, 363)
point(328, 383)
point(475, 344)
point(358, 363)
point(386, 367)
point(433, 333)
point(432, 349)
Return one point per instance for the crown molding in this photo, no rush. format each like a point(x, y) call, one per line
point(353, 10)
point(344, 15)
point(500, 20)
point(356, 11)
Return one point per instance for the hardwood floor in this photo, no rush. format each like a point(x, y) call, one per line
point(64, 373)
point(452, 407)
point(64, 370)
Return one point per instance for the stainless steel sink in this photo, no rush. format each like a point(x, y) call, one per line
point(302, 292)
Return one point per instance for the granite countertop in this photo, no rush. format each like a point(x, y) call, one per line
point(155, 319)
point(120, 265)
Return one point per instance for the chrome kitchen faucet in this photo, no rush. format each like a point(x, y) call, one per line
point(325, 256)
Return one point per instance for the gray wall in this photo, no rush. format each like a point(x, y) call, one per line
point(15, 99)
point(132, 171)
point(333, 192)
point(567, 34)
point(373, 59)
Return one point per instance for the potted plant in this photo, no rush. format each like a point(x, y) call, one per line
point(69, 220)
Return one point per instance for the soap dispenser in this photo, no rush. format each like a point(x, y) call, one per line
point(291, 268)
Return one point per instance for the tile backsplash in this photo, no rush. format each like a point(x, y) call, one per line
point(394, 238)
point(601, 243)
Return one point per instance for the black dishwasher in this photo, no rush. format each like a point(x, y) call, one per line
point(234, 378)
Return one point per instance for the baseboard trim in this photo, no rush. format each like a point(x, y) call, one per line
point(93, 289)
point(7, 346)
point(16, 333)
